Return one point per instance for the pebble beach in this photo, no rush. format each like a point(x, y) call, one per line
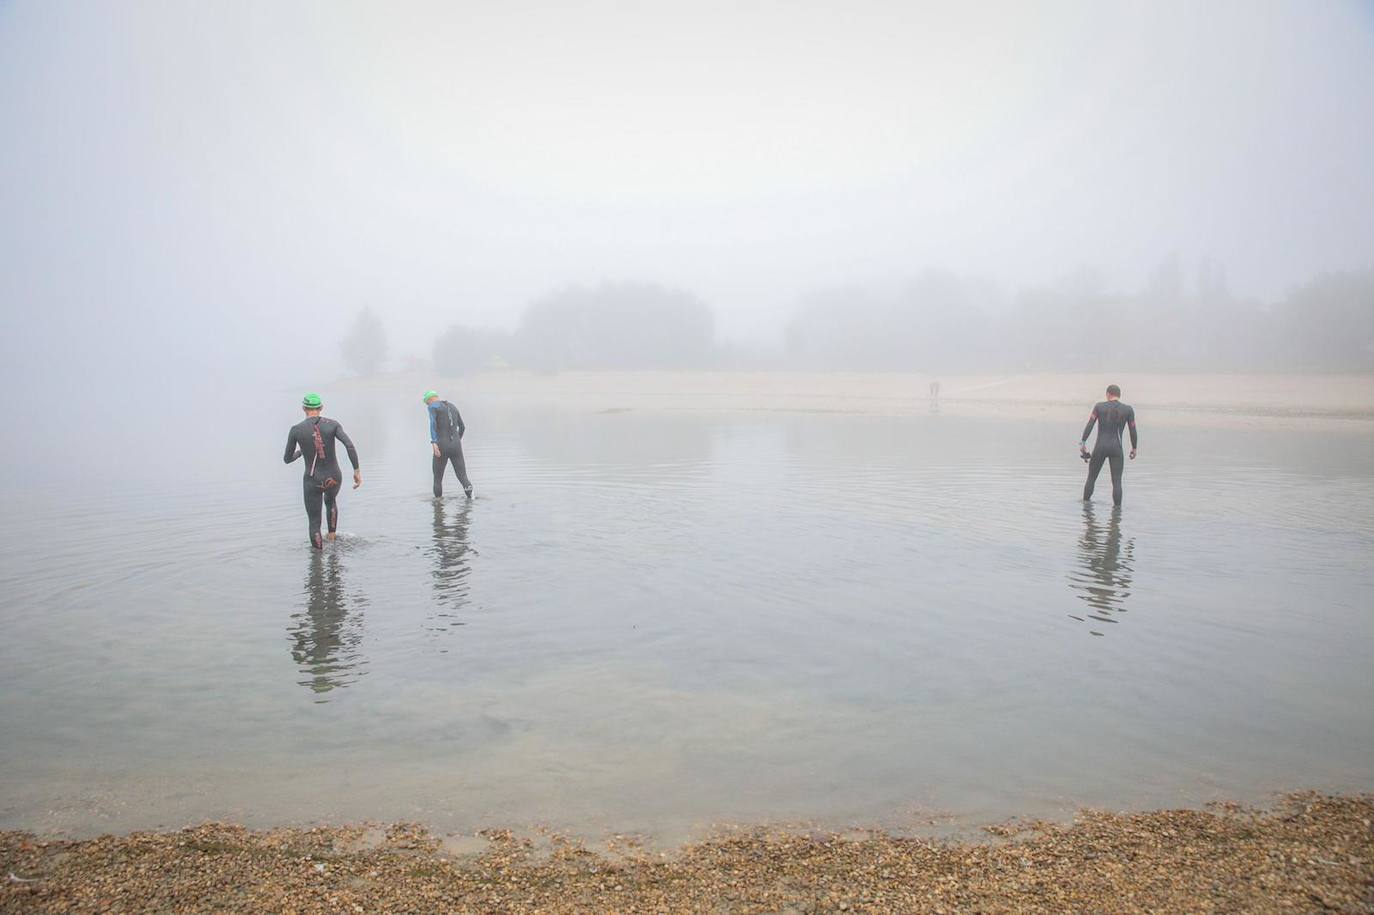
point(1309, 853)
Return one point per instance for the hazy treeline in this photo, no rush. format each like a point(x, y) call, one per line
point(364, 348)
point(1180, 320)
point(1176, 322)
point(611, 326)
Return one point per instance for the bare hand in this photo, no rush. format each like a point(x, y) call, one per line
point(357, 478)
point(435, 446)
point(1133, 454)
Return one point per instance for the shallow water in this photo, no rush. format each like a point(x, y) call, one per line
point(657, 622)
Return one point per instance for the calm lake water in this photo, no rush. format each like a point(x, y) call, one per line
point(657, 622)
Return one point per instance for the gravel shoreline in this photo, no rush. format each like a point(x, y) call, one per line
point(1310, 853)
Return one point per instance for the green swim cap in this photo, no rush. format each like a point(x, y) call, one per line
point(311, 402)
point(427, 395)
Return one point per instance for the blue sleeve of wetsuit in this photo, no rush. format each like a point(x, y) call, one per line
point(292, 452)
point(433, 429)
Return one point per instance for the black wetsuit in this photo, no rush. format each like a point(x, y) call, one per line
point(1112, 417)
point(446, 430)
point(313, 438)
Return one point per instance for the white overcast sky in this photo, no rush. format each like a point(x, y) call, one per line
point(249, 174)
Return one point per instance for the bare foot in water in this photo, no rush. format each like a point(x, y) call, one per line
point(332, 536)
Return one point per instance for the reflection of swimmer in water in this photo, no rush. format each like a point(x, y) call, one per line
point(325, 634)
point(1103, 578)
point(451, 550)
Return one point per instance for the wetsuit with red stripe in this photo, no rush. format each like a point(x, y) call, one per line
point(313, 439)
point(1112, 418)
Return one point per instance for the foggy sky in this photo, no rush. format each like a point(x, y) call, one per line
point(209, 190)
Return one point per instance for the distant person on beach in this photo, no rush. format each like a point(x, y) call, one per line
point(1111, 417)
point(313, 438)
point(446, 438)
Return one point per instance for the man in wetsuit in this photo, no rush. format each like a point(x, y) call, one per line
point(313, 438)
point(1111, 417)
point(446, 439)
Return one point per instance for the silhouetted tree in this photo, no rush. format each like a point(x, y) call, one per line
point(1166, 282)
point(1060, 325)
point(461, 350)
point(937, 321)
point(841, 328)
point(616, 325)
point(1328, 324)
point(365, 346)
point(942, 322)
point(1211, 281)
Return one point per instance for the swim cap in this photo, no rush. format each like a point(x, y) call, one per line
point(427, 395)
point(311, 402)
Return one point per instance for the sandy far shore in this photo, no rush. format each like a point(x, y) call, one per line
point(1311, 854)
point(1261, 401)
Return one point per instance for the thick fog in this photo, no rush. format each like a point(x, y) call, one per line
point(204, 197)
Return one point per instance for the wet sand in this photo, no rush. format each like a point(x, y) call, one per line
point(1241, 401)
point(1310, 853)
